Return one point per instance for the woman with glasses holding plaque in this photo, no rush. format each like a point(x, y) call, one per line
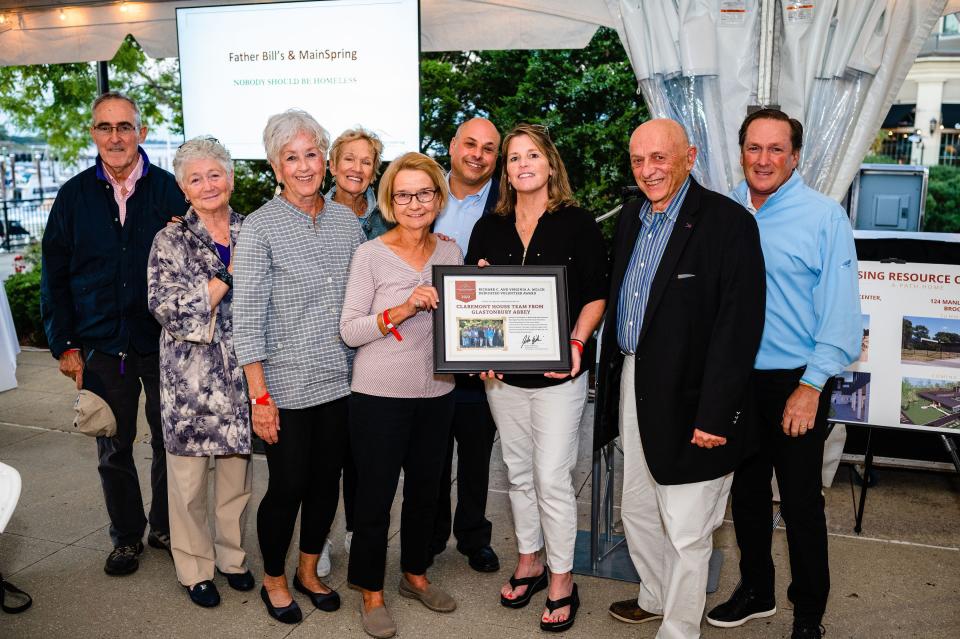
point(400, 411)
point(203, 401)
point(538, 416)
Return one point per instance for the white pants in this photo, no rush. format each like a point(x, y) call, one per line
point(669, 529)
point(194, 551)
point(539, 435)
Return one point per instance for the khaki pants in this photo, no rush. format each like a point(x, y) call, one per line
point(669, 529)
point(194, 552)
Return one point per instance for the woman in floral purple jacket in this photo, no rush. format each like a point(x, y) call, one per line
point(203, 400)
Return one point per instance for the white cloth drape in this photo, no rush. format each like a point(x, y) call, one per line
point(9, 345)
point(836, 67)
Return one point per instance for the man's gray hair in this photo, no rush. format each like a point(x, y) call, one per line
point(116, 95)
point(201, 148)
point(282, 128)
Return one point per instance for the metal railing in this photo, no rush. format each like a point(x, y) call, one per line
point(949, 148)
point(22, 221)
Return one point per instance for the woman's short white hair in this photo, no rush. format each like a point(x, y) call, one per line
point(282, 128)
point(201, 148)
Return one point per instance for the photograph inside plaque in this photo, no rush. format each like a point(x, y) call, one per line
point(509, 319)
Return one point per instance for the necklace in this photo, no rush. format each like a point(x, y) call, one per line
point(528, 233)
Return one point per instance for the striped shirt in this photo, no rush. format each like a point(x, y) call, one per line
point(655, 230)
point(385, 367)
point(289, 275)
point(123, 191)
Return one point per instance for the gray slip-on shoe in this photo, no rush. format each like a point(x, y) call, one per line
point(377, 622)
point(433, 597)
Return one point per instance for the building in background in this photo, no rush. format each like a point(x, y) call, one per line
point(923, 125)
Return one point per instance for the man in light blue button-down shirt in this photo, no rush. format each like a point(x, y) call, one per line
point(812, 331)
point(473, 194)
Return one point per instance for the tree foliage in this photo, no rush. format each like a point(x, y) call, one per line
point(942, 214)
point(587, 97)
point(54, 100)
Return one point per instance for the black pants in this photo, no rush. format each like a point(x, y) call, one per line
point(473, 431)
point(349, 486)
point(388, 435)
point(304, 466)
point(118, 473)
point(797, 462)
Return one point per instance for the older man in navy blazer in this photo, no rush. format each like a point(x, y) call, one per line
point(682, 328)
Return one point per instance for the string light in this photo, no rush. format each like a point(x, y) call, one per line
point(3, 18)
point(123, 7)
point(63, 15)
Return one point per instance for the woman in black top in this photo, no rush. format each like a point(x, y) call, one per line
point(538, 416)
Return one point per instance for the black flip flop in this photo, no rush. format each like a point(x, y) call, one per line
point(533, 584)
point(559, 626)
point(7, 587)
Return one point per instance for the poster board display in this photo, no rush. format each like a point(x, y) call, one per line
point(908, 374)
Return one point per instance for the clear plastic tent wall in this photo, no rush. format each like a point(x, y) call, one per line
point(836, 65)
point(868, 46)
point(673, 48)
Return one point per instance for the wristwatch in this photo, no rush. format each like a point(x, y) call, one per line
point(224, 276)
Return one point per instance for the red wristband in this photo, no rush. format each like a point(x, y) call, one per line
point(389, 325)
point(577, 343)
point(263, 400)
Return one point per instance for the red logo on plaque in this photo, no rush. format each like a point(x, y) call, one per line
point(465, 290)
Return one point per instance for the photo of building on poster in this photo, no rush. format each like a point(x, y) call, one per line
point(930, 341)
point(865, 340)
point(851, 397)
point(930, 402)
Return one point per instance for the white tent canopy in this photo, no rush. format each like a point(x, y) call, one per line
point(834, 64)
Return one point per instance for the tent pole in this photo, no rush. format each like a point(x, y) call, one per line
point(765, 62)
point(103, 77)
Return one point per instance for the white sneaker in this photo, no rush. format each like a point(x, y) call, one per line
point(347, 540)
point(323, 564)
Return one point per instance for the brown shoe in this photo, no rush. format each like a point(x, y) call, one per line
point(433, 597)
point(377, 622)
point(629, 611)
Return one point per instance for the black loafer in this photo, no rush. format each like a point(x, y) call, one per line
point(204, 594)
point(484, 560)
point(559, 626)
point(533, 584)
point(327, 602)
point(242, 581)
point(287, 614)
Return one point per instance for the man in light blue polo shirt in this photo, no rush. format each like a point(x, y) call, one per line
point(473, 193)
point(812, 331)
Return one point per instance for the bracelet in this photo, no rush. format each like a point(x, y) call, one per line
point(389, 325)
point(804, 382)
point(224, 276)
point(263, 400)
point(577, 343)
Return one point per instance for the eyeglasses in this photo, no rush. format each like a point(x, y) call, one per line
point(206, 138)
point(124, 128)
point(424, 196)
